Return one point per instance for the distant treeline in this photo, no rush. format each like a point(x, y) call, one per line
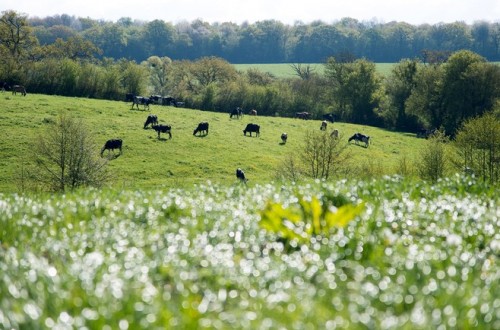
point(271, 41)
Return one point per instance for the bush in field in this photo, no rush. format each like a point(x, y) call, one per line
point(65, 157)
point(321, 157)
point(434, 158)
point(478, 147)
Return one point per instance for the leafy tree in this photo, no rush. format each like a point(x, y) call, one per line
point(159, 73)
point(16, 35)
point(355, 87)
point(66, 157)
point(210, 70)
point(17, 42)
point(158, 37)
point(426, 99)
point(470, 86)
point(399, 85)
point(478, 145)
point(75, 48)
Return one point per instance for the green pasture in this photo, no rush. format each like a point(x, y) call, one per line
point(148, 162)
point(285, 70)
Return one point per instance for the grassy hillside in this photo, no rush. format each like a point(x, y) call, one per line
point(185, 159)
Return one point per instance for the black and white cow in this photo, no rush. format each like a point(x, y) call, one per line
point(324, 124)
point(145, 101)
point(329, 117)
point(358, 137)
point(4, 86)
point(238, 113)
point(163, 129)
point(240, 175)
point(151, 120)
point(284, 137)
point(202, 128)
point(252, 128)
point(111, 145)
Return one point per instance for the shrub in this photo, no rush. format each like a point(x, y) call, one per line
point(434, 158)
point(66, 157)
point(478, 147)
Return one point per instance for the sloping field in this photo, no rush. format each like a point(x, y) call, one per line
point(185, 159)
point(285, 70)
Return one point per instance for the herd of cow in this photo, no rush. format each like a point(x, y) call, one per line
point(153, 99)
point(203, 127)
point(15, 88)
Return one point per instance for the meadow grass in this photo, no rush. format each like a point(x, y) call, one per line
point(418, 256)
point(149, 162)
point(285, 70)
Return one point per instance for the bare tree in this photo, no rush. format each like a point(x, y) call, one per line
point(66, 157)
point(321, 157)
point(304, 72)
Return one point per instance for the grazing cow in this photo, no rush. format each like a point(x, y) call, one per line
point(163, 129)
point(129, 97)
point(156, 99)
point(253, 112)
point(252, 128)
point(202, 128)
point(323, 125)
point(284, 137)
point(18, 89)
point(112, 145)
point(151, 120)
point(4, 86)
point(302, 115)
point(236, 112)
point(426, 133)
point(169, 101)
point(329, 117)
point(145, 101)
point(240, 175)
point(335, 134)
point(358, 137)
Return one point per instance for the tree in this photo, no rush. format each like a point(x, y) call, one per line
point(478, 145)
point(470, 87)
point(66, 157)
point(434, 157)
point(320, 157)
point(159, 72)
point(355, 88)
point(16, 35)
point(75, 48)
point(426, 99)
point(399, 86)
point(208, 70)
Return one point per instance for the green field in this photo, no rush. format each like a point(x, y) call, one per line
point(147, 162)
point(285, 70)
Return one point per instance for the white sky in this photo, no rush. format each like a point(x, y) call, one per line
point(287, 11)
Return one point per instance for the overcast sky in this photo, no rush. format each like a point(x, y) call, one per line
point(287, 11)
